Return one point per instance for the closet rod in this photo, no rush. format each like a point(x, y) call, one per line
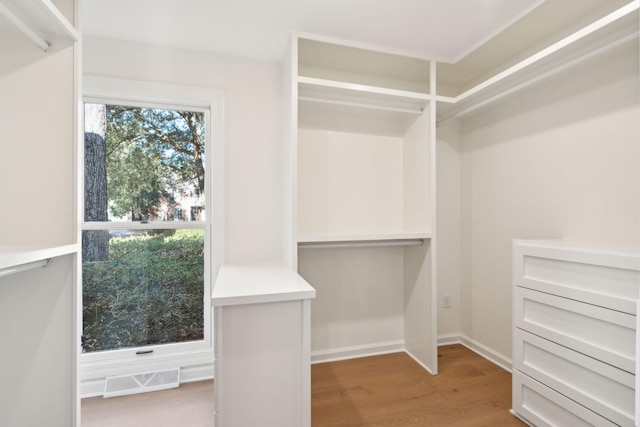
point(361, 244)
point(359, 105)
point(24, 267)
point(42, 43)
point(541, 77)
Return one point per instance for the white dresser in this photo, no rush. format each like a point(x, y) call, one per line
point(574, 334)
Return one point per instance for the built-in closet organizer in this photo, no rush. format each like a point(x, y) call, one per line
point(362, 163)
point(262, 372)
point(574, 342)
point(39, 319)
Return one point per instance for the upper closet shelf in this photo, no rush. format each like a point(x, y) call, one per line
point(609, 32)
point(335, 92)
point(342, 106)
point(39, 20)
point(14, 259)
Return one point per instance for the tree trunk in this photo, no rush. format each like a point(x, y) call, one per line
point(95, 243)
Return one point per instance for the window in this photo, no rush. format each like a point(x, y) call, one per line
point(147, 251)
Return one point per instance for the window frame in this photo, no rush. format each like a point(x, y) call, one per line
point(172, 97)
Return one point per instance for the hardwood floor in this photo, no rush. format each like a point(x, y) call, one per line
point(393, 390)
point(381, 391)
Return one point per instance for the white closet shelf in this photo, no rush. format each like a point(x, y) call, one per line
point(614, 29)
point(40, 20)
point(348, 107)
point(312, 89)
point(252, 284)
point(317, 240)
point(11, 257)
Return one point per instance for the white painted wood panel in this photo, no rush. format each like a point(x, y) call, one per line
point(241, 284)
point(262, 347)
point(359, 300)
point(541, 406)
point(607, 390)
point(37, 333)
point(419, 316)
point(417, 176)
point(602, 333)
point(605, 278)
point(349, 183)
point(574, 334)
point(261, 363)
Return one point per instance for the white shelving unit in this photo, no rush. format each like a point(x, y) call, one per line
point(362, 153)
point(262, 347)
point(39, 82)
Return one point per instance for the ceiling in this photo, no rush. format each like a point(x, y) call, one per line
point(470, 37)
point(437, 29)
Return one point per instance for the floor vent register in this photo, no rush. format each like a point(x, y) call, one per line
point(123, 385)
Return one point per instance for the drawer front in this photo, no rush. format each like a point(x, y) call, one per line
point(598, 386)
point(603, 334)
point(602, 278)
point(543, 407)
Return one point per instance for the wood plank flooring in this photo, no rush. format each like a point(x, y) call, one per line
point(379, 391)
point(393, 390)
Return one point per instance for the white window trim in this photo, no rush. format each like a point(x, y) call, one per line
point(94, 366)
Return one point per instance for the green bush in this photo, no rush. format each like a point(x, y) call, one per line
point(150, 291)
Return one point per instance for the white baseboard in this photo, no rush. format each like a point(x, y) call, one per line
point(449, 339)
point(491, 355)
point(353, 352)
point(95, 387)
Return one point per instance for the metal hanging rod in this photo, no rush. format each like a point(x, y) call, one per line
point(24, 267)
point(18, 23)
point(361, 244)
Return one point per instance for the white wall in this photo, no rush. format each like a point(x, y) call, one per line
point(253, 132)
point(559, 160)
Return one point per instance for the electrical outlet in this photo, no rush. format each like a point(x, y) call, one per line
point(446, 301)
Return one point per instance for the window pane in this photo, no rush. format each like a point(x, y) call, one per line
point(144, 164)
point(142, 288)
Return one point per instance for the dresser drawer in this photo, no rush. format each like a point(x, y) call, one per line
point(542, 407)
point(605, 278)
point(600, 387)
point(603, 334)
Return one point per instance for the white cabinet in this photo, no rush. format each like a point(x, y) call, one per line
point(362, 160)
point(39, 82)
point(574, 341)
point(262, 366)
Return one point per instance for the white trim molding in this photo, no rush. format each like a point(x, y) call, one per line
point(95, 387)
point(353, 352)
point(195, 356)
point(491, 355)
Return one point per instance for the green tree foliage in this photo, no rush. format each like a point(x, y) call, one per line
point(150, 291)
point(151, 153)
point(144, 287)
